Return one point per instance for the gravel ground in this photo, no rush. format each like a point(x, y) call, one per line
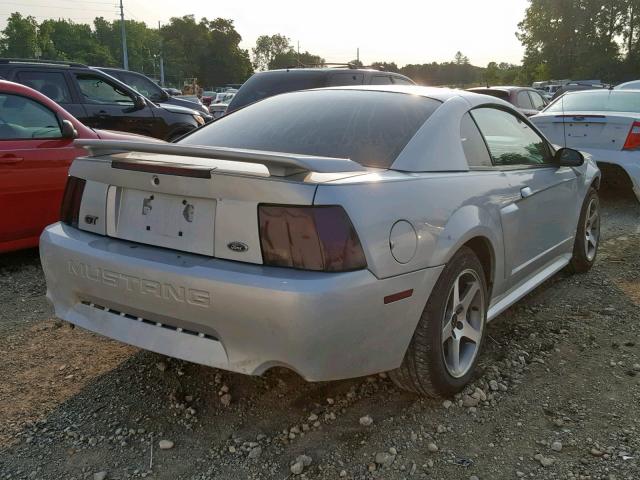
point(557, 396)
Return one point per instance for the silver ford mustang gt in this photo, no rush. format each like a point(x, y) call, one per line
point(336, 232)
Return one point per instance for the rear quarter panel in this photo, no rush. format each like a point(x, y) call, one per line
point(445, 209)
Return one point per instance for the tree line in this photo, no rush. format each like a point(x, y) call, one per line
point(581, 39)
point(206, 49)
point(563, 39)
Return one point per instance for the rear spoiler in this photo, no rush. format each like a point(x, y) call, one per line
point(279, 164)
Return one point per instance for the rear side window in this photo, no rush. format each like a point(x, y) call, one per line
point(22, 118)
point(473, 144)
point(381, 80)
point(494, 93)
point(342, 79)
point(523, 100)
point(402, 81)
point(598, 101)
point(268, 84)
point(510, 140)
point(51, 84)
point(368, 127)
point(536, 100)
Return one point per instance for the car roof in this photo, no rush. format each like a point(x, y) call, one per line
point(442, 94)
point(504, 88)
point(322, 71)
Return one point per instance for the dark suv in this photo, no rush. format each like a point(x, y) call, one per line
point(151, 89)
point(101, 101)
point(273, 82)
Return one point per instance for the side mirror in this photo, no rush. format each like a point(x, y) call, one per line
point(568, 157)
point(68, 130)
point(139, 102)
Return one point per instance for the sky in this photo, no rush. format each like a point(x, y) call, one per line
point(404, 31)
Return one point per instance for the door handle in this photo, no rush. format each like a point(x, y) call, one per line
point(102, 113)
point(10, 160)
point(526, 192)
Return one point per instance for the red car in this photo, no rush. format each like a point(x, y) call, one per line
point(36, 150)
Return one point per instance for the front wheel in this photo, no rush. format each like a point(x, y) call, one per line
point(445, 347)
point(585, 247)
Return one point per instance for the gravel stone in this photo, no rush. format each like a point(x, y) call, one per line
point(366, 421)
point(165, 444)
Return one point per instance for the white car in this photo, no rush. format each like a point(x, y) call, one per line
point(603, 123)
point(633, 85)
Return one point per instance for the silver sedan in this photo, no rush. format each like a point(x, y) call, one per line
point(335, 232)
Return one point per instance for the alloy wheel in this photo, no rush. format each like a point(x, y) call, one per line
point(592, 230)
point(463, 323)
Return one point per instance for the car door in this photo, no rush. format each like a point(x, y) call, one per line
point(540, 223)
point(110, 107)
point(34, 161)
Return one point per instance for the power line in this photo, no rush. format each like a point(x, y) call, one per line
point(56, 7)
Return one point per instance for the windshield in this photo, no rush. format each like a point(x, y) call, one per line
point(368, 127)
point(597, 101)
point(268, 84)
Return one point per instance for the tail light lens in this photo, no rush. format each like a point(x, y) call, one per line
point(633, 139)
point(309, 238)
point(70, 209)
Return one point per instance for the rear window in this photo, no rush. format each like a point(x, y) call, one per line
point(597, 101)
point(268, 84)
point(494, 93)
point(368, 127)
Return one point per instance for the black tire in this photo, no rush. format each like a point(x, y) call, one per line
point(423, 368)
point(581, 261)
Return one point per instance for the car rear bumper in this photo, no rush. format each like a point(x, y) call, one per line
point(240, 317)
point(628, 160)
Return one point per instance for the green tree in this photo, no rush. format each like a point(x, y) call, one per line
point(66, 40)
point(576, 38)
point(268, 48)
point(19, 37)
point(386, 66)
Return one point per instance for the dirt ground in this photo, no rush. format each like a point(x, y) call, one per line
point(557, 396)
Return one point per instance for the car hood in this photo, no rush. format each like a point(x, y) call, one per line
point(125, 136)
point(179, 109)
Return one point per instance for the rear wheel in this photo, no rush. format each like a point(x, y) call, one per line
point(444, 350)
point(585, 247)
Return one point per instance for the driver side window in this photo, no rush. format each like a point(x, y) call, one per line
point(96, 89)
point(510, 140)
point(22, 118)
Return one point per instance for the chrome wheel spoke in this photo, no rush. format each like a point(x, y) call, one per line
point(471, 333)
point(469, 295)
point(456, 293)
point(447, 331)
point(454, 355)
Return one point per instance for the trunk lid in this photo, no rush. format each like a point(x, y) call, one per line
point(194, 199)
point(587, 129)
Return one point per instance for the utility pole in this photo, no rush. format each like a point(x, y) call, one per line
point(357, 53)
point(125, 56)
point(161, 59)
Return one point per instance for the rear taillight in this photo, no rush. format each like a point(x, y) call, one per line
point(70, 209)
point(633, 139)
point(309, 238)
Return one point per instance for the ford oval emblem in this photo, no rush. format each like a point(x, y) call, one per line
point(237, 247)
